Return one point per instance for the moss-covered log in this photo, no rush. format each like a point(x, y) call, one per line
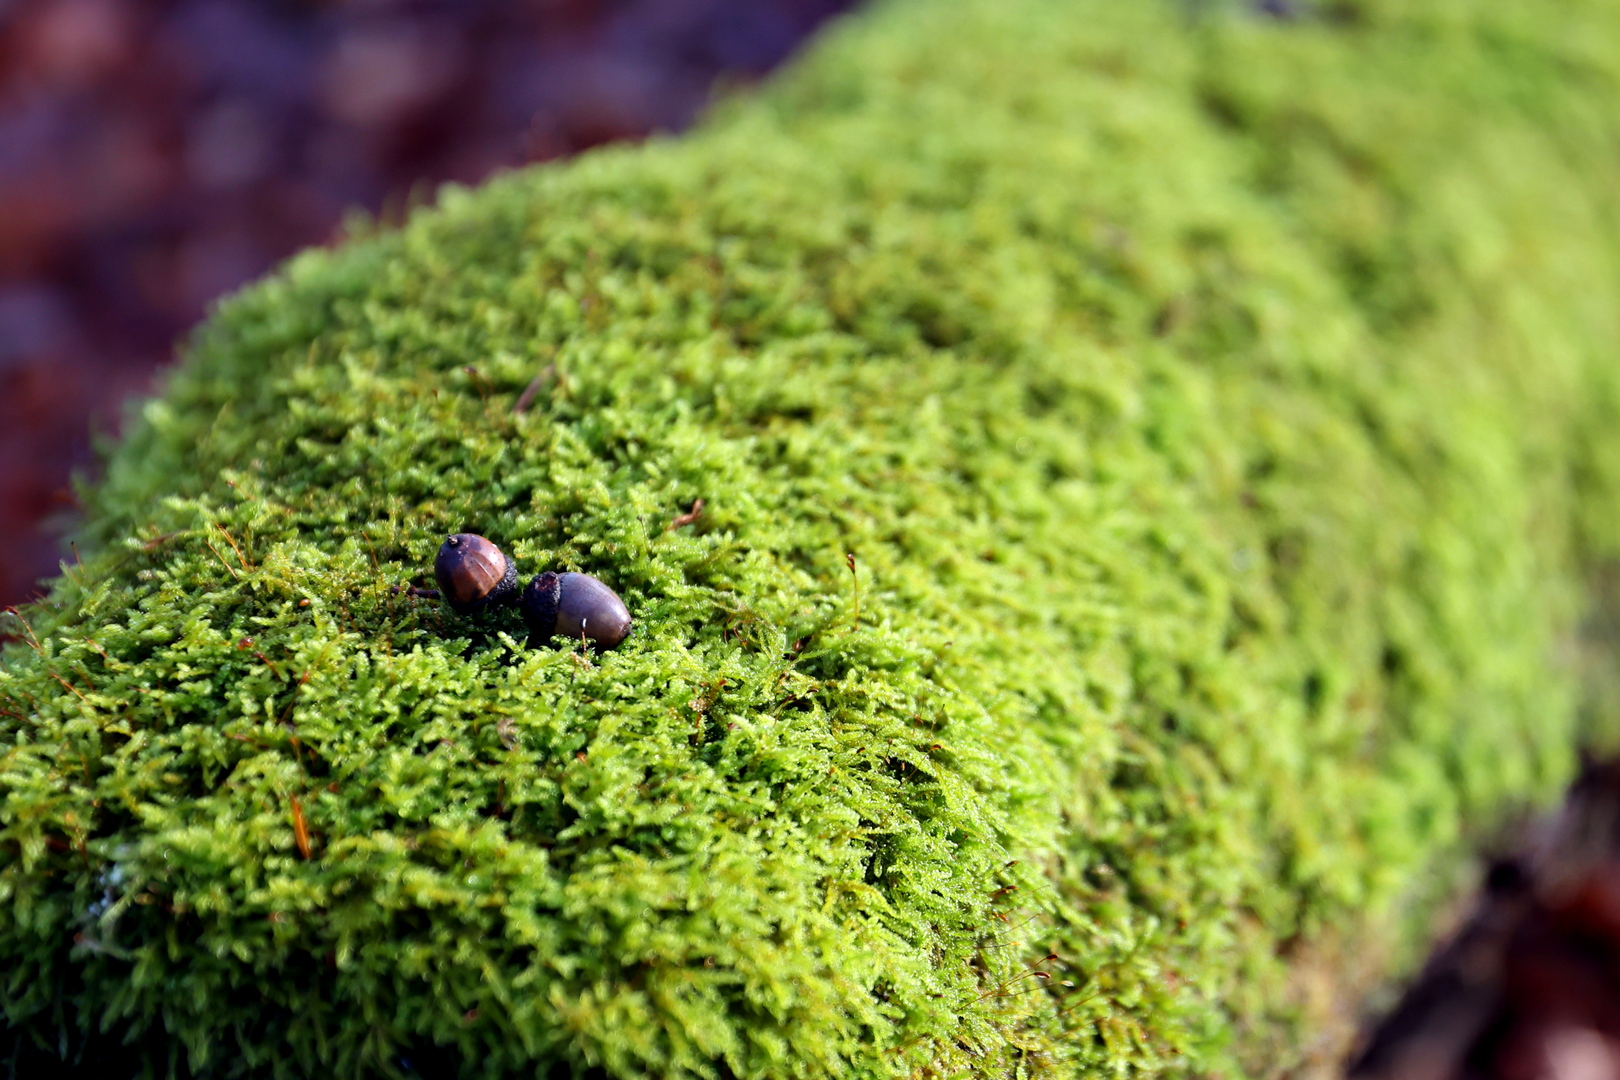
point(1218, 409)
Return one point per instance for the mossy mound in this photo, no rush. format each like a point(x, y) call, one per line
point(1219, 411)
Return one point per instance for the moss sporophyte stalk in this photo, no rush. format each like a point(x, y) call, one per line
point(1220, 410)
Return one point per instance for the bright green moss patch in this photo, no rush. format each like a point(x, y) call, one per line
point(1220, 412)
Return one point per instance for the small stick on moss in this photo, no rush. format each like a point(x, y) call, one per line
point(238, 492)
point(300, 826)
point(371, 549)
point(222, 560)
point(855, 585)
point(532, 391)
point(271, 664)
point(480, 383)
point(688, 518)
point(67, 685)
point(232, 542)
point(28, 630)
point(286, 714)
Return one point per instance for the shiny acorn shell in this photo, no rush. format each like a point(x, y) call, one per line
point(572, 606)
point(474, 574)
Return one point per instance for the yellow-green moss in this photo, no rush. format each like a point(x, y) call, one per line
point(1219, 409)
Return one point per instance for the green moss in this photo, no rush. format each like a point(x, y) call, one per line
point(1219, 410)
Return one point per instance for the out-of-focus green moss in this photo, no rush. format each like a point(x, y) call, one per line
point(1219, 410)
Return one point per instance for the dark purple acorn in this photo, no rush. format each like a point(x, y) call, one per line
point(575, 606)
point(474, 574)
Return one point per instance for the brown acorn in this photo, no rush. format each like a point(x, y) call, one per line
point(474, 574)
point(575, 606)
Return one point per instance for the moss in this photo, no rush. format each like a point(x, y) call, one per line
point(1218, 410)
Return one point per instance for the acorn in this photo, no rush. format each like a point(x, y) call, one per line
point(575, 606)
point(474, 574)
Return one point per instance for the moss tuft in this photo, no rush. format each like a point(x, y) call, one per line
point(1219, 411)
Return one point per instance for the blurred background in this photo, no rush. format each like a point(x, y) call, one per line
point(156, 154)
